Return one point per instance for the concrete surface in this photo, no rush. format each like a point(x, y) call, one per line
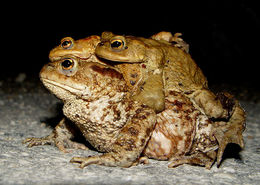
point(29, 111)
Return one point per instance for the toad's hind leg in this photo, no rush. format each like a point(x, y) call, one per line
point(201, 159)
point(60, 137)
point(216, 107)
point(230, 131)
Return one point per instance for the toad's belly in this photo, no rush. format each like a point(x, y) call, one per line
point(174, 131)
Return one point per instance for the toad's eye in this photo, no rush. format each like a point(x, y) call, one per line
point(67, 64)
point(67, 43)
point(117, 44)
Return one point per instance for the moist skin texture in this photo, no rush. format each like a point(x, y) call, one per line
point(179, 74)
point(97, 101)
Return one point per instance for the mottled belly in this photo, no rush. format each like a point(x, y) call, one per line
point(174, 131)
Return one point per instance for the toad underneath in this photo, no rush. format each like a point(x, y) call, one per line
point(97, 101)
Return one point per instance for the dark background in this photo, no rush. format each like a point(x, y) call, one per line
point(223, 34)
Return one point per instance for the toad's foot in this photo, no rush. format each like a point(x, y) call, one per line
point(50, 140)
point(106, 160)
point(85, 161)
point(32, 141)
point(201, 159)
point(60, 137)
point(142, 160)
point(231, 131)
point(179, 42)
point(176, 40)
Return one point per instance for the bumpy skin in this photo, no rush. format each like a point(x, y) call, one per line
point(180, 74)
point(96, 99)
point(182, 134)
point(143, 73)
point(149, 76)
point(152, 89)
point(161, 66)
point(82, 48)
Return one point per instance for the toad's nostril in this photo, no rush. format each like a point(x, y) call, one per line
point(50, 65)
point(101, 44)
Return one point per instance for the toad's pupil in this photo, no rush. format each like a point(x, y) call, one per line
point(66, 63)
point(66, 43)
point(116, 44)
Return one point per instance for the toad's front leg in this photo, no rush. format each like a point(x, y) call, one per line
point(129, 144)
point(60, 137)
point(152, 93)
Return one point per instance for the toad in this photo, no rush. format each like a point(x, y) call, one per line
point(82, 48)
point(97, 101)
point(152, 66)
point(180, 74)
point(152, 95)
point(146, 57)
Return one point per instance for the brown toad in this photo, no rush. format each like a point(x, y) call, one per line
point(152, 95)
point(154, 65)
point(146, 57)
point(82, 48)
point(96, 99)
point(181, 74)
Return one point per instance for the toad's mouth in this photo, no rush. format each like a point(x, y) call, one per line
point(62, 85)
point(61, 89)
point(111, 63)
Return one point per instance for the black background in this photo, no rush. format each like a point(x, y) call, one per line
point(223, 34)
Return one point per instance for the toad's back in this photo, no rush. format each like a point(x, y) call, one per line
point(181, 73)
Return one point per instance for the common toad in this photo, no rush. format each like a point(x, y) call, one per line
point(96, 99)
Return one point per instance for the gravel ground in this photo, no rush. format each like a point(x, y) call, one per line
point(28, 110)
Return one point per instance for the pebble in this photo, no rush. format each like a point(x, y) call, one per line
point(2, 103)
point(224, 175)
point(25, 154)
point(228, 169)
point(23, 162)
point(12, 123)
point(20, 78)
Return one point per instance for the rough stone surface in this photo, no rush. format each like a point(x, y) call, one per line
point(30, 111)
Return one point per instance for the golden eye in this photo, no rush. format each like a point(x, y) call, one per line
point(67, 43)
point(117, 44)
point(67, 64)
